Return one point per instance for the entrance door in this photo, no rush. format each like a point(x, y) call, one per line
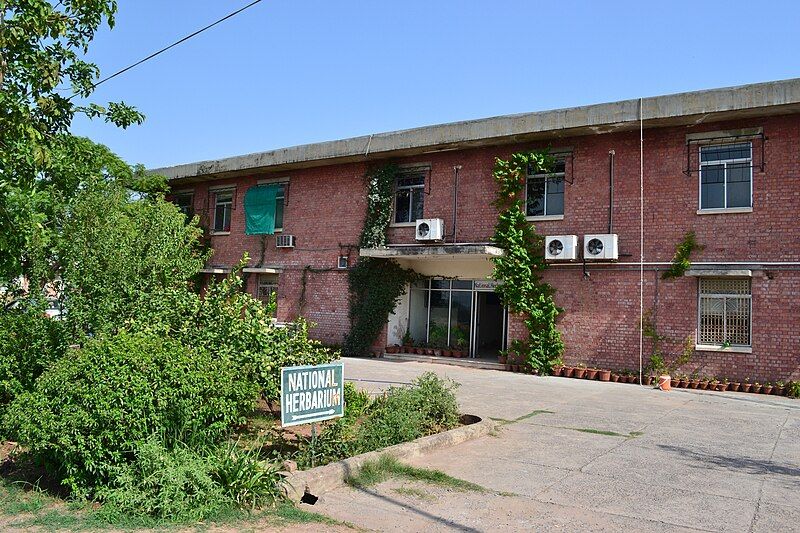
point(489, 325)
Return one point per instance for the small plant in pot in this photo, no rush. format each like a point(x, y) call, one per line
point(502, 357)
point(766, 388)
point(746, 386)
point(408, 341)
point(438, 338)
point(461, 341)
point(615, 377)
point(779, 388)
point(579, 371)
point(604, 375)
point(393, 348)
point(756, 388)
point(734, 386)
point(722, 386)
point(591, 373)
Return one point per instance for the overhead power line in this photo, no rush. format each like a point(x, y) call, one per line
point(176, 43)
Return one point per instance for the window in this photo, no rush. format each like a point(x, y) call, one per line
point(724, 317)
point(545, 192)
point(409, 194)
point(726, 176)
point(267, 289)
point(223, 204)
point(184, 201)
point(280, 202)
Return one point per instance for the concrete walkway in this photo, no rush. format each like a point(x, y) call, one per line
point(661, 462)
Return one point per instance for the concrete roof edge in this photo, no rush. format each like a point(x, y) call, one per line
point(696, 103)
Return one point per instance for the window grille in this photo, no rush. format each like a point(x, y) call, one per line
point(544, 194)
point(725, 312)
point(727, 147)
point(409, 197)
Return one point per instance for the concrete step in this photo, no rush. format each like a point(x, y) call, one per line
point(453, 361)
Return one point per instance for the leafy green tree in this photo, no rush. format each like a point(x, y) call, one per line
point(41, 74)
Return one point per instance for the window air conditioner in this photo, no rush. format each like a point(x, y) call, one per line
point(284, 241)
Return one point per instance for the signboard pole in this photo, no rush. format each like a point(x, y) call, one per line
point(313, 444)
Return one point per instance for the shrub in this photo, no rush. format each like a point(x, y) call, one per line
point(29, 342)
point(94, 406)
point(170, 484)
point(245, 480)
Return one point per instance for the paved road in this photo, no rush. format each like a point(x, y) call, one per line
point(676, 461)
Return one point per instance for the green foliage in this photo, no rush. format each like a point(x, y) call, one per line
point(426, 407)
point(245, 480)
point(116, 252)
point(519, 269)
point(438, 335)
point(658, 359)
point(176, 484)
point(93, 406)
point(375, 284)
point(42, 46)
point(380, 186)
point(793, 389)
point(375, 287)
point(232, 326)
point(680, 261)
point(29, 341)
point(386, 467)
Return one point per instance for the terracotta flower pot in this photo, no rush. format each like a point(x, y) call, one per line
point(578, 373)
point(756, 388)
point(664, 382)
point(568, 372)
point(429, 351)
point(631, 379)
point(515, 368)
point(614, 377)
point(508, 367)
point(604, 375)
point(650, 380)
point(502, 359)
point(721, 387)
point(777, 391)
point(682, 383)
point(557, 370)
point(407, 348)
point(766, 389)
point(734, 387)
point(746, 387)
point(693, 383)
point(591, 373)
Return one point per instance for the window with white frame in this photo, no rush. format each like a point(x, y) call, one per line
point(409, 197)
point(726, 176)
point(280, 202)
point(223, 206)
point(544, 194)
point(724, 312)
point(267, 288)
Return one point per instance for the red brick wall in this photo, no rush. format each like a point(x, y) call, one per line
point(326, 207)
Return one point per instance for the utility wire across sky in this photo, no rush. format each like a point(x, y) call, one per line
point(176, 43)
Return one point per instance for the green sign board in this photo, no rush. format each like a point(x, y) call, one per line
point(311, 393)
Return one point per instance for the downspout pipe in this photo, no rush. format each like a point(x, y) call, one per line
point(452, 234)
point(611, 154)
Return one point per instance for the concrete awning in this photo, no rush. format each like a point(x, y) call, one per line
point(263, 270)
point(468, 261)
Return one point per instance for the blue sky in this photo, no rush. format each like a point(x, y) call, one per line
point(292, 72)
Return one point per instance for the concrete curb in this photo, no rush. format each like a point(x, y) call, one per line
point(322, 479)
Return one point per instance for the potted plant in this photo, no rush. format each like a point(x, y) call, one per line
point(615, 377)
point(461, 342)
point(683, 381)
point(734, 386)
point(438, 338)
point(604, 375)
point(408, 342)
point(766, 388)
point(502, 357)
point(579, 371)
point(746, 386)
point(591, 373)
point(694, 381)
point(722, 386)
point(779, 388)
point(393, 348)
point(756, 388)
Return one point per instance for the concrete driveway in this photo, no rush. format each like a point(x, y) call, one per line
point(590, 456)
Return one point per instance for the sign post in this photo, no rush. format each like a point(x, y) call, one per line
point(311, 394)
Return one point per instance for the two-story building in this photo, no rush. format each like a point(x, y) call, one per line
point(633, 177)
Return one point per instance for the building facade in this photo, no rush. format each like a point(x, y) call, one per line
point(724, 164)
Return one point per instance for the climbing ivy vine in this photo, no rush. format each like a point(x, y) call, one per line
point(375, 284)
point(680, 261)
point(519, 269)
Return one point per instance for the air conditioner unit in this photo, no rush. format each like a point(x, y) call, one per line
point(284, 241)
point(430, 229)
point(561, 247)
point(600, 247)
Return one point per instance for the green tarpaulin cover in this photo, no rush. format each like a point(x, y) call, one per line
point(259, 209)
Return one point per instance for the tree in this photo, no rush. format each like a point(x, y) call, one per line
point(41, 72)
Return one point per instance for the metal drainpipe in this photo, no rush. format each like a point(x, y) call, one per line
point(611, 154)
point(456, 168)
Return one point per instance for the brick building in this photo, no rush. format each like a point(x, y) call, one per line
point(723, 163)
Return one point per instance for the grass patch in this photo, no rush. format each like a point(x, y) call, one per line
point(415, 493)
point(374, 472)
point(537, 412)
point(631, 435)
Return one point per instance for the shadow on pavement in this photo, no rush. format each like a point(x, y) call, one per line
point(736, 464)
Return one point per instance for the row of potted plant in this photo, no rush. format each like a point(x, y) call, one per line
point(426, 350)
point(437, 343)
point(778, 388)
point(599, 374)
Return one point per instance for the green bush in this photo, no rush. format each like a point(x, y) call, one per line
point(91, 408)
point(29, 342)
point(245, 480)
point(230, 324)
point(170, 484)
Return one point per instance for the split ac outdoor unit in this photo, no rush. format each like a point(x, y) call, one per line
point(600, 247)
point(560, 247)
point(284, 241)
point(430, 229)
